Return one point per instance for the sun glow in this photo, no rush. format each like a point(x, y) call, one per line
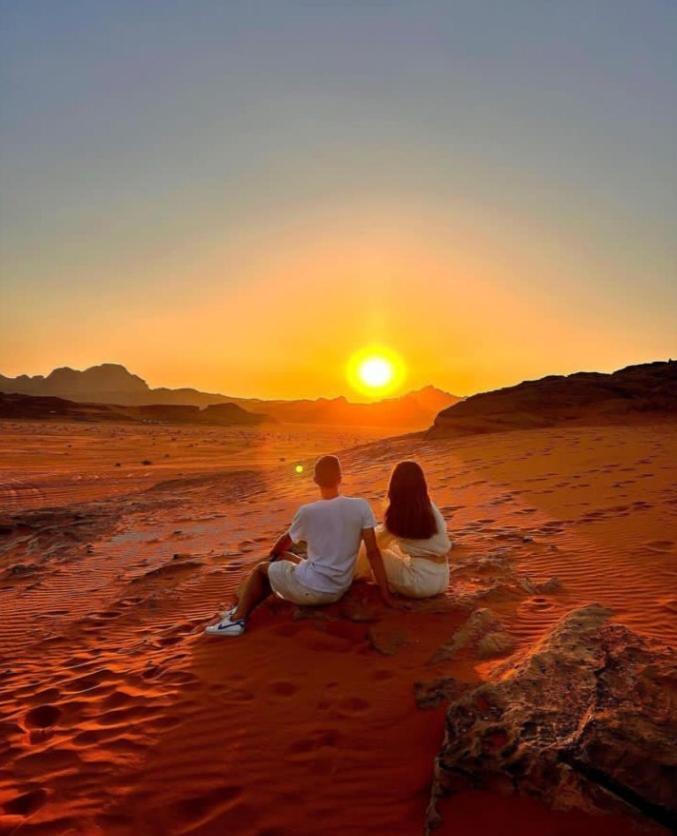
point(376, 371)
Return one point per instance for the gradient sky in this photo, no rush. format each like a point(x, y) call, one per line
point(238, 195)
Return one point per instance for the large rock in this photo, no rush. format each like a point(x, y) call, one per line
point(587, 720)
point(647, 392)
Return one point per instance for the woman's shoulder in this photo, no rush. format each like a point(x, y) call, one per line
point(436, 511)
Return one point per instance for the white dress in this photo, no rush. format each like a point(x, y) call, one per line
point(408, 570)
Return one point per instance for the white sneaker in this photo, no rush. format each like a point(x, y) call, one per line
point(226, 627)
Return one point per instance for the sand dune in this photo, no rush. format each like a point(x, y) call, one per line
point(119, 716)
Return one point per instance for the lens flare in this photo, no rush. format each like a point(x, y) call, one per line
point(376, 371)
point(299, 468)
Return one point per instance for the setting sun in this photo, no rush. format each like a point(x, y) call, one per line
point(376, 371)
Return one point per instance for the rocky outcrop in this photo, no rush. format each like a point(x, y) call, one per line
point(643, 392)
point(587, 720)
point(483, 632)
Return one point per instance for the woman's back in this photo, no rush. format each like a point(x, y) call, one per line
point(437, 545)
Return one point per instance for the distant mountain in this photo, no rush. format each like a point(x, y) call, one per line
point(47, 407)
point(414, 409)
point(111, 383)
point(645, 392)
point(100, 381)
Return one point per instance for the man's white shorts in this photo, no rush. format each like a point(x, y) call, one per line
point(283, 581)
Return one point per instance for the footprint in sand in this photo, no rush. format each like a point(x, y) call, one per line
point(117, 699)
point(354, 705)
point(42, 716)
point(282, 688)
point(27, 803)
point(239, 695)
point(321, 738)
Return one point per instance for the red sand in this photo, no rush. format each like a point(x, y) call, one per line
point(119, 716)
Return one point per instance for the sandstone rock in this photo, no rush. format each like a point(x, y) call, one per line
point(480, 623)
point(548, 587)
point(430, 694)
point(534, 587)
point(492, 579)
point(587, 720)
point(495, 644)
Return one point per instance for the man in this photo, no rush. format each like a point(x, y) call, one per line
point(332, 529)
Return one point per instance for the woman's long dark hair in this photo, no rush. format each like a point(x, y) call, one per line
point(409, 513)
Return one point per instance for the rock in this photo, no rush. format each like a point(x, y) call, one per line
point(534, 587)
point(549, 586)
point(480, 623)
point(587, 720)
point(431, 694)
point(495, 644)
point(387, 639)
point(635, 393)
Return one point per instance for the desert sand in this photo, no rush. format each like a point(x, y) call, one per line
point(119, 716)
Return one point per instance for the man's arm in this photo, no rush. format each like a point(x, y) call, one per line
point(376, 563)
point(281, 546)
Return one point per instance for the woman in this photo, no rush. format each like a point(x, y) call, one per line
point(413, 539)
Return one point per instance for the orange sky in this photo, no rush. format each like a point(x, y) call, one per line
point(240, 200)
point(465, 303)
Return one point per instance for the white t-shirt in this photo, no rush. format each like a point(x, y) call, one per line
point(332, 530)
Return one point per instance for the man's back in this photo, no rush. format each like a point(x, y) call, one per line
point(332, 529)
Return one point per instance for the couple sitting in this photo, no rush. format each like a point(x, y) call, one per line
point(405, 555)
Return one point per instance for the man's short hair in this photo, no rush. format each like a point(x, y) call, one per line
point(328, 471)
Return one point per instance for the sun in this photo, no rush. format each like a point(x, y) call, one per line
point(376, 371)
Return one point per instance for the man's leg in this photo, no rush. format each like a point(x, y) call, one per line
point(256, 589)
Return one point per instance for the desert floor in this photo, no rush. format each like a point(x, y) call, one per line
point(117, 715)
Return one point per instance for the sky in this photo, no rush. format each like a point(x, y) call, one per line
point(239, 195)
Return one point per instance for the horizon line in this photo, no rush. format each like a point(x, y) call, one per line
point(343, 396)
